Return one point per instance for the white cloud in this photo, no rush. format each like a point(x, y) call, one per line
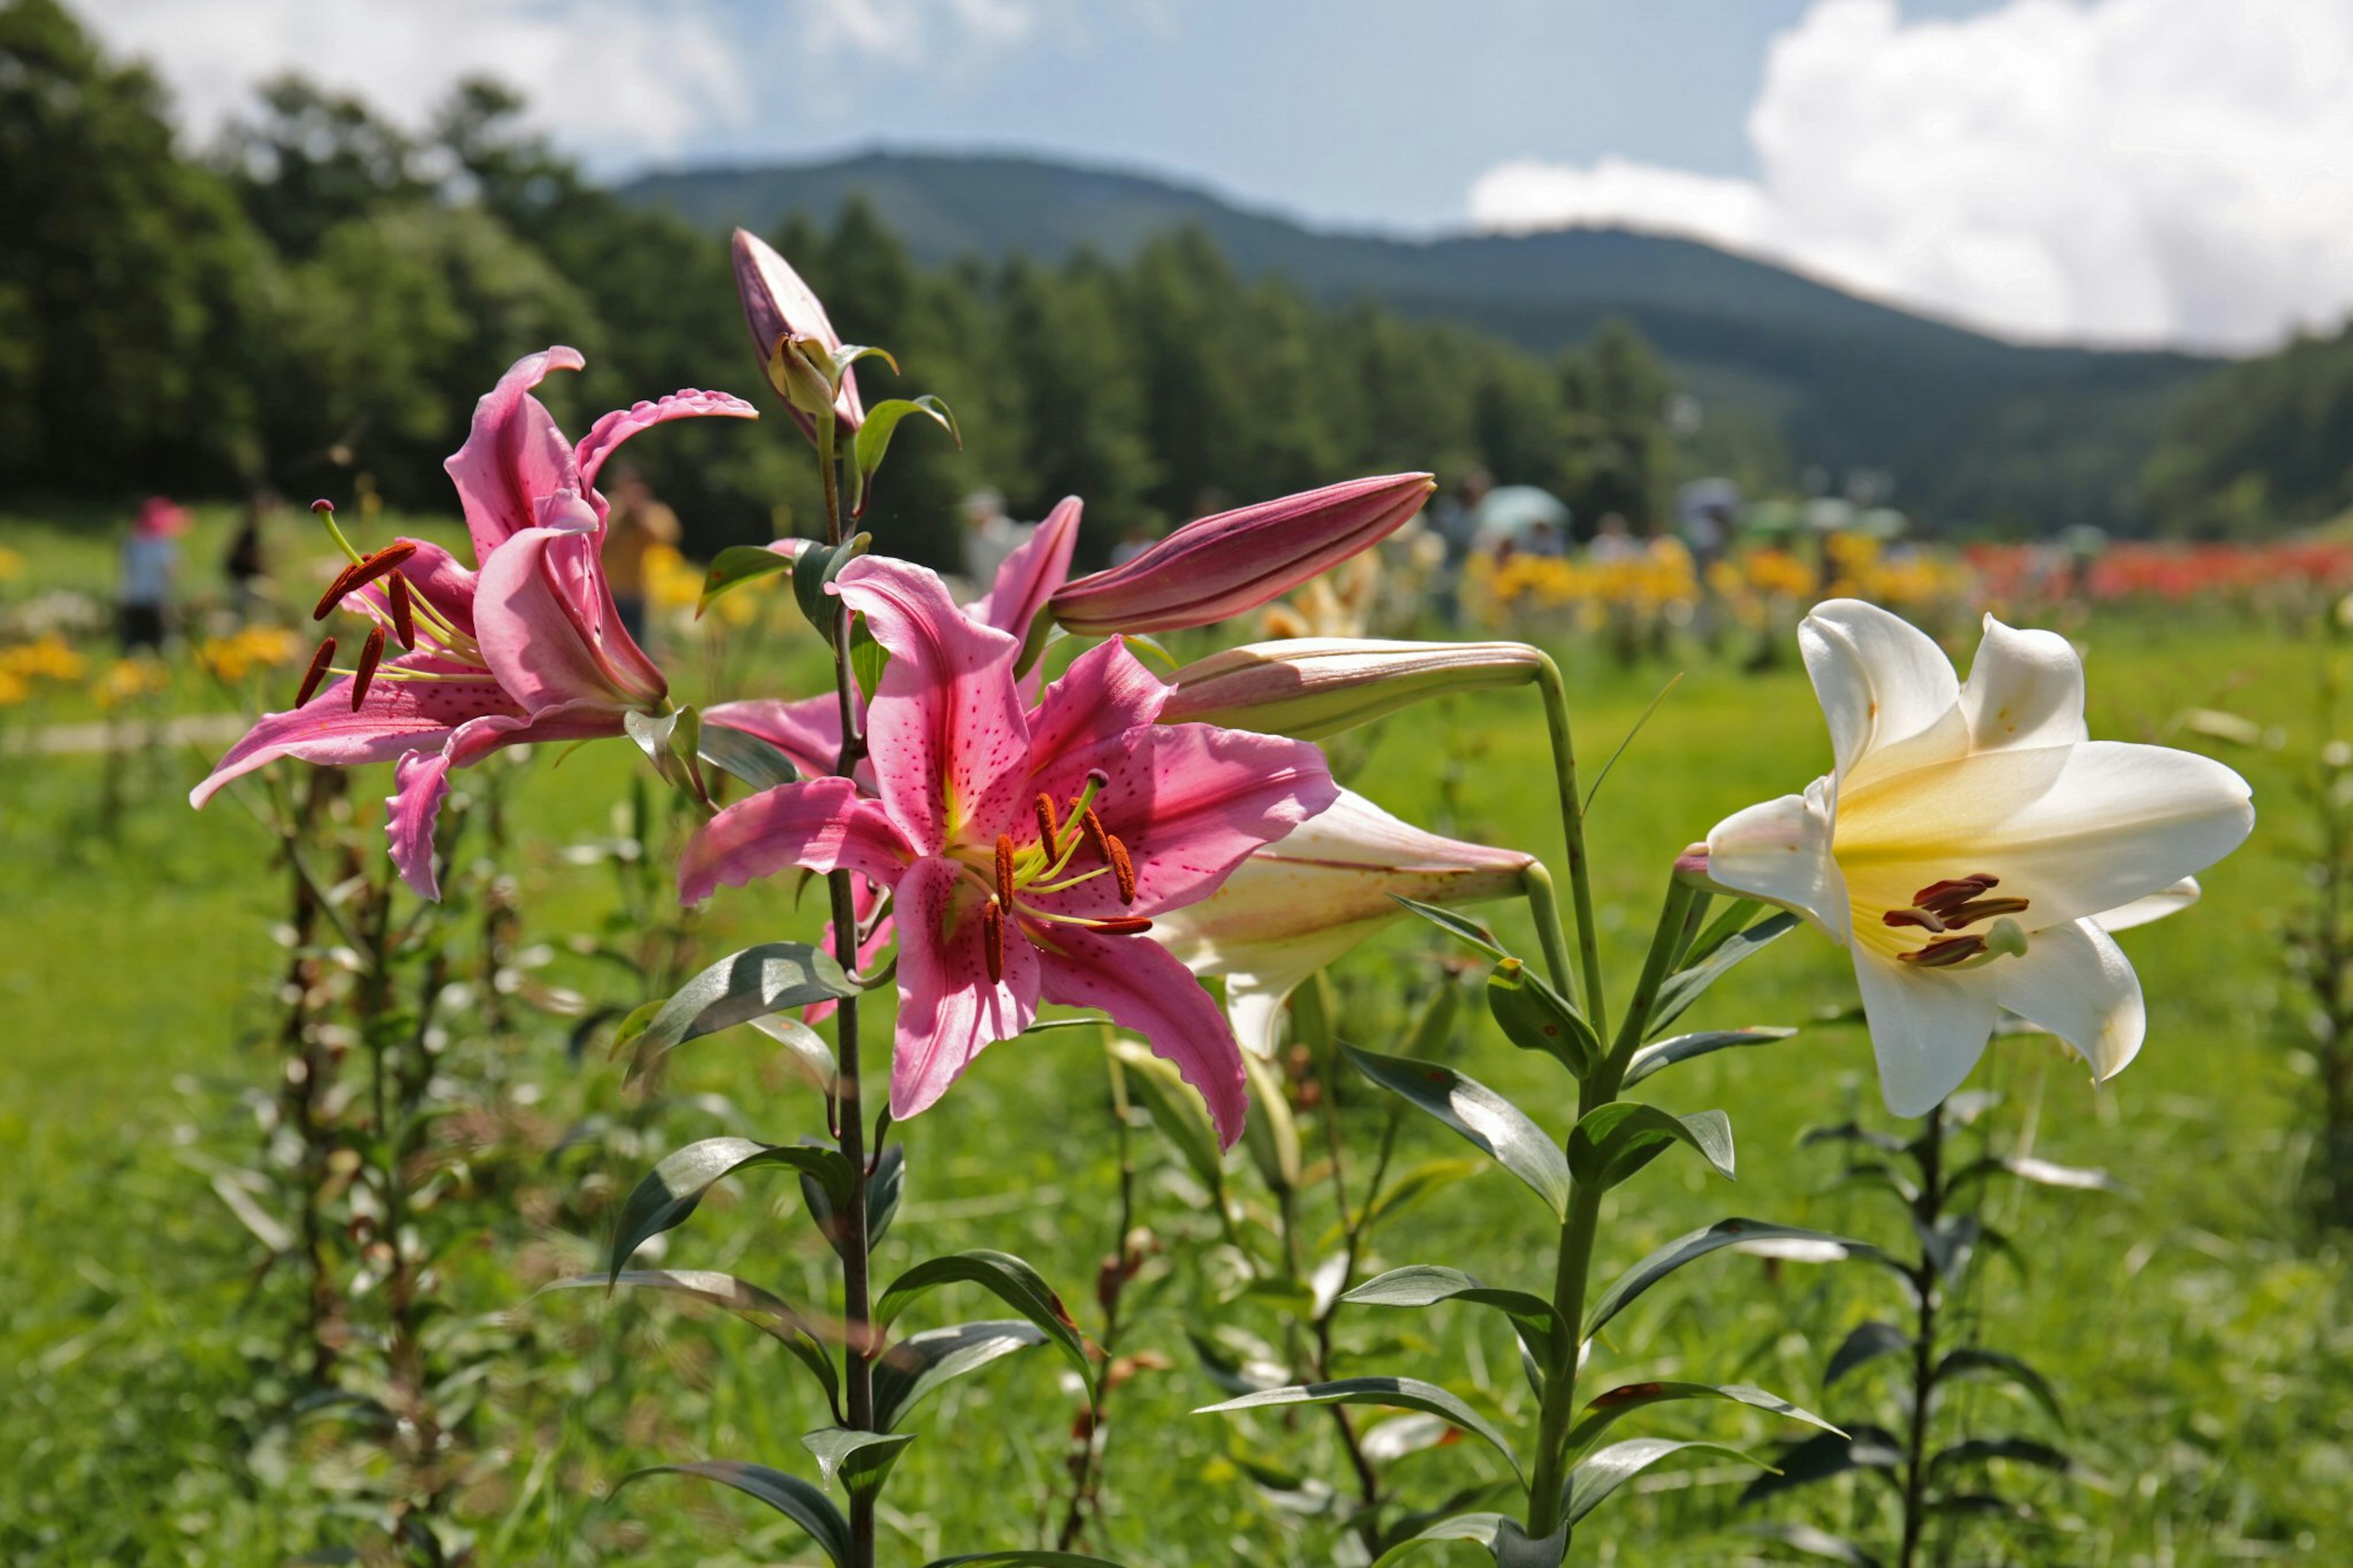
point(609, 77)
point(2113, 171)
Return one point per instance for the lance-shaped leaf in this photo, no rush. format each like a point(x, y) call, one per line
point(1813, 1542)
point(1659, 1055)
point(2017, 1450)
point(1002, 1275)
point(1871, 1448)
point(806, 1052)
point(745, 756)
point(1604, 1472)
point(1501, 1534)
point(738, 564)
point(2075, 1178)
point(2001, 1366)
point(673, 1189)
point(1426, 1284)
point(1489, 1121)
point(1868, 1342)
point(1393, 1393)
point(1536, 1017)
point(873, 439)
point(770, 978)
point(762, 1310)
point(883, 1187)
point(1272, 1133)
point(1023, 1559)
point(817, 565)
point(911, 1370)
point(1463, 928)
point(794, 1497)
point(1606, 1409)
point(1820, 1245)
point(1177, 1111)
point(1684, 987)
point(1612, 1141)
point(858, 1462)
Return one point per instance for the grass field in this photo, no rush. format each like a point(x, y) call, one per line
point(2198, 1334)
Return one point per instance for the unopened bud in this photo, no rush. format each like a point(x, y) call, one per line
point(778, 308)
point(1314, 687)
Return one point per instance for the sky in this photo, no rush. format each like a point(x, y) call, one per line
point(2114, 172)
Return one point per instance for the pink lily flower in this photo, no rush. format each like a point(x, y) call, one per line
point(1021, 849)
point(527, 648)
point(808, 730)
point(1215, 568)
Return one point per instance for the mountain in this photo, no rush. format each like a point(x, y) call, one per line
point(1970, 427)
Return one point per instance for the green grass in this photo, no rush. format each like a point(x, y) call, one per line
point(2196, 1333)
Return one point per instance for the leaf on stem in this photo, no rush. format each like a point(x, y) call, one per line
point(1489, 1121)
point(1463, 928)
point(1613, 1142)
point(773, 977)
point(1003, 1276)
point(1816, 1246)
point(1819, 1458)
point(1606, 1409)
point(1536, 1017)
point(873, 439)
point(1426, 1284)
point(1178, 1110)
point(1394, 1393)
point(736, 565)
point(858, 1462)
point(1685, 986)
point(915, 1367)
point(1501, 1534)
point(794, 1497)
point(673, 1189)
point(765, 1310)
point(1867, 1344)
point(1661, 1055)
point(2003, 1367)
point(1604, 1472)
point(745, 757)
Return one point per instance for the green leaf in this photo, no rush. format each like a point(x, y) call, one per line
point(882, 1189)
point(1177, 1111)
point(1023, 1559)
point(1606, 1409)
point(1819, 1458)
point(2017, 1450)
point(1822, 1247)
point(1536, 1017)
point(2003, 1367)
point(746, 757)
point(1612, 1141)
point(736, 565)
point(874, 437)
point(2073, 1178)
point(674, 1188)
point(768, 1312)
point(1271, 1133)
point(1392, 1393)
point(805, 1051)
point(1684, 987)
point(1003, 1276)
point(856, 1462)
point(1867, 1344)
point(1813, 1542)
point(817, 565)
point(1662, 1054)
point(914, 1368)
point(1604, 1472)
point(1426, 1284)
point(1460, 927)
point(653, 733)
point(772, 977)
point(868, 659)
point(1489, 1121)
point(1499, 1533)
point(794, 1497)
point(1721, 930)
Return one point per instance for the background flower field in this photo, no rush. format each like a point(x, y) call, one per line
point(2196, 1332)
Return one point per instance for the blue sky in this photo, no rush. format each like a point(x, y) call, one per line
point(2105, 171)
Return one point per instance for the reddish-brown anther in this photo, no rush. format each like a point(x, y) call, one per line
point(1005, 869)
point(371, 655)
point(1121, 925)
point(404, 611)
point(1945, 954)
point(1049, 828)
point(1123, 868)
point(992, 940)
point(359, 574)
point(316, 673)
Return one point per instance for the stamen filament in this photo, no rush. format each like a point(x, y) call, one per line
point(324, 510)
point(1069, 882)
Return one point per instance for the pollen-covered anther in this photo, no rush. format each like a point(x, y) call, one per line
point(1942, 898)
point(1050, 829)
point(1983, 909)
point(1123, 868)
point(992, 940)
point(1121, 925)
point(1920, 917)
point(1005, 869)
point(316, 673)
point(359, 574)
point(371, 655)
point(1097, 836)
point(1945, 954)
point(404, 613)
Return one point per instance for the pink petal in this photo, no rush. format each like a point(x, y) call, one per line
point(548, 629)
point(1190, 803)
point(514, 454)
point(1106, 691)
point(948, 737)
point(1142, 988)
point(1031, 575)
point(397, 715)
point(821, 824)
point(623, 423)
point(808, 731)
point(949, 1007)
point(421, 778)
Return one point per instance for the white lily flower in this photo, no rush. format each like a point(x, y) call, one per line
point(1974, 847)
point(1299, 903)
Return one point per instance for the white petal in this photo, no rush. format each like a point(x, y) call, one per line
point(1928, 1028)
point(2025, 689)
point(2075, 982)
point(1255, 1010)
point(2156, 906)
point(1781, 851)
point(1884, 686)
point(2074, 830)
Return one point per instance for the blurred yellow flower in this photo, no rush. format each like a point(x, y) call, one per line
point(14, 689)
point(50, 657)
point(12, 564)
point(231, 658)
point(128, 679)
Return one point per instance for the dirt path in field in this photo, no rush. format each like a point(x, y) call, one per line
point(128, 735)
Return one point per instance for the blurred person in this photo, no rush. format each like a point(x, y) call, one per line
point(247, 565)
point(151, 565)
point(639, 522)
point(1454, 520)
point(1613, 540)
point(990, 534)
point(1544, 538)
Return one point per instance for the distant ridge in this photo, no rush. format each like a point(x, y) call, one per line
point(1970, 425)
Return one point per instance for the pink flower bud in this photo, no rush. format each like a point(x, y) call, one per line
point(1309, 688)
point(1219, 567)
point(776, 306)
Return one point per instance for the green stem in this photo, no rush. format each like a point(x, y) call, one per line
point(1572, 827)
point(1544, 903)
point(857, 1355)
point(1573, 1264)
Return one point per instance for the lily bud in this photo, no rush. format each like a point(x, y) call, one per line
point(1312, 687)
point(777, 307)
point(1219, 567)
